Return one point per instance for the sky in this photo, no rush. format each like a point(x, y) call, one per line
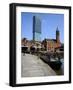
point(49, 24)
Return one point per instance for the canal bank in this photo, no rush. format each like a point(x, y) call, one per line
point(56, 64)
point(33, 66)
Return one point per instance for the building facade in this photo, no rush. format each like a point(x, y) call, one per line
point(52, 44)
point(36, 28)
point(31, 44)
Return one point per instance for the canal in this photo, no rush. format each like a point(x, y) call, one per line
point(61, 70)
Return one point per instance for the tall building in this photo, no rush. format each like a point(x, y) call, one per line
point(52, 44)
point(36, 28)
point(57, 35)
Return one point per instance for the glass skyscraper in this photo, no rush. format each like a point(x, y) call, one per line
point(36, 28)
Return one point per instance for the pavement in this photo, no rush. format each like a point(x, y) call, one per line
point(33, 66)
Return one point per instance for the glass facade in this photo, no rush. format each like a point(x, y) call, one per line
point(37, 36)
point(36, 28)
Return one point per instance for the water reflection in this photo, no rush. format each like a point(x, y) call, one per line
point(61, 70)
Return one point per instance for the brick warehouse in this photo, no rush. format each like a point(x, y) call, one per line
point(46, 45)
point(52, 44)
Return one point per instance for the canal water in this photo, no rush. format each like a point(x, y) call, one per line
point(61, 70)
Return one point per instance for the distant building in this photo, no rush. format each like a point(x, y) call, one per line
point(52, 44)
point(57, 35)
point(36, 28)
point(30, 43)
point(60, 49)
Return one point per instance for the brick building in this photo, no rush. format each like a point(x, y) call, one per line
point(30, 43)
point(47, 44)
point(52, 44)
